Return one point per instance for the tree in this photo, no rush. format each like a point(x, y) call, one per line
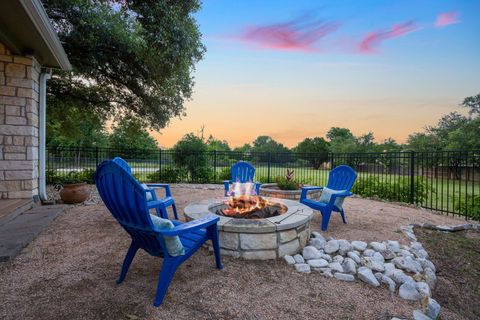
point(342, 140)
point(190, 155)
point(265, 147)
point(214, 144)
point(315, 151)
point(472, 103)
point(420, 141)
point(130, 134)
point(132, 57)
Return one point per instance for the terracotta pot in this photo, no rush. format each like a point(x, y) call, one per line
point(75, 193)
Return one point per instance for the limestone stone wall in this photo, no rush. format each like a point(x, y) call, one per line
point(19, 80)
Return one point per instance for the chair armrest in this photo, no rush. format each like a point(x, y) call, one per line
point(306, 189)
point(156, 204)
point(334, 197)
point(191, 226)
point(168, 192)
point(257, 187)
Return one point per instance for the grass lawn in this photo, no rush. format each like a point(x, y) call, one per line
point(456, 256)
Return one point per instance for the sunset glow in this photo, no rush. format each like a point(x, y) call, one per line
point(272, 69)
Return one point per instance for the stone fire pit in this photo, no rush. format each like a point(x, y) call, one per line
point(258, 239)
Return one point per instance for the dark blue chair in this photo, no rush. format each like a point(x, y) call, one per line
point(242, 172)
point(126, 200)
point(340, 180)
point(166, 201)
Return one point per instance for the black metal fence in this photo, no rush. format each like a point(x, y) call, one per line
point(448, 181)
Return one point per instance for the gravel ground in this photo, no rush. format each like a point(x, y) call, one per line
point(69, 272)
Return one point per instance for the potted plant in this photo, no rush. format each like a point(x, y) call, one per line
point(73, 187)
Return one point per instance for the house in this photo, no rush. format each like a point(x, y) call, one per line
point(29, 50)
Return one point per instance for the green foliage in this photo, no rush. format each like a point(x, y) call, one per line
point(284, 184)
point(189, 154)
point(396, 190)
point(263, 146)
point(217, 145)
point(342, 140)
point(225, 174)
point(469, 206)
point(318, 146)
point(132, 57)
point(131, 134)
point(168, 174)
point(72, 177)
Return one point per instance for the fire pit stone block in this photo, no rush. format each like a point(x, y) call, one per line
point(258, 239)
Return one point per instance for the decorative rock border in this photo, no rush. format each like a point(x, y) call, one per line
point(378, 263)
point(258, 239)
point(271, 190)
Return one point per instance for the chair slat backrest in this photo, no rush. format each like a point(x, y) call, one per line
point(122, 163)
point(243, 171)
point(341, 178)
point(127, 202)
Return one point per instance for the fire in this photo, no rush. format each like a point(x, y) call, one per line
point(243, 200)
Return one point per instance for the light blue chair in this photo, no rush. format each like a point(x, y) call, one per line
point(340, 182)
point(242, 172)
point(126, 200)
point(166, 201)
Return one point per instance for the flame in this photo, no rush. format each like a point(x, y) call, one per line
point(242, 199)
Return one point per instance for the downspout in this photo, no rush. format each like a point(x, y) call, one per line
point(44, 76)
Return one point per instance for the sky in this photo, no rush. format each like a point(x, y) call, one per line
point(294, 69)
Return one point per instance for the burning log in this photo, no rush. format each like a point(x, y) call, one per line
point(251, 207)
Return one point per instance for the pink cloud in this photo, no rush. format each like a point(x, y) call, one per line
point(300, 34)
point(373, 39)
point(447, 18)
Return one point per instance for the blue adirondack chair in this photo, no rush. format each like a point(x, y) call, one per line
point(166, 201)
point(127, 201)
point(341, 180)
point(242, 171)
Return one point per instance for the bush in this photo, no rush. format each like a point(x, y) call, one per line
point(225, 174)
point(201, 174)
point(397, 190)
point(469, 207)
point(169, 174)
point(86, 175)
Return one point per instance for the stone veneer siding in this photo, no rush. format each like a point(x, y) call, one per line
point(19, 96)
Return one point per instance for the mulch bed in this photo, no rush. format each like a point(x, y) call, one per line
point(457, 258)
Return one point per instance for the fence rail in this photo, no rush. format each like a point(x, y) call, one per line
point(447, 181)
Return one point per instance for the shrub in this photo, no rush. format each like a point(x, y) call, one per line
point(86, 175)
point(284, 184)
point(470, 206)
point(201, 174)
point(225, 174)
point(168, 174)
point(397, 190)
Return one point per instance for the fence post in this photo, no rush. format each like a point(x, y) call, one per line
point(269, 161)
point(160, 161)
point(214, 166)
point(331, 161)
point(96, 156)
point(412, 177)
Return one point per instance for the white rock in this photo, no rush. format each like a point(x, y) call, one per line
point(419, 315)
point(405, 253)
point(344, 246)
point(289, 259)
point(377, 246)
point(349, 266)
point(389, 269)
point(378, 276)
point(359, 245)
point(302, 267)
point(318, 263)
point(408, 291)
point(408, 264)
point(430, 278)
point(355, 257)
point(328, 273)
point(369, 253)
point(298, 258)
point(331, 246)
point(318, 235)
point(432, 308)
point(357, 253)
point(326, 257)
point(317, 243)
point(310, 252)
point(338, 258)
point(377, 256)
point(424, 289)
point(400, 277)
point(421, 253)
point(416, 246)
point(389, 282)
point(336, 267)
point(427, 264)
point(366, 275)
point(373, 264)
point(393, 245)
point(344, 276)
